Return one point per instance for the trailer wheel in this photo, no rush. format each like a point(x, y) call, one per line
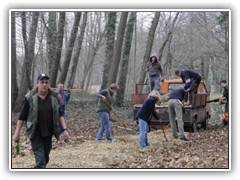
point(204, 124)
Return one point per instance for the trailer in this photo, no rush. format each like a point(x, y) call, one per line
point(195, 115)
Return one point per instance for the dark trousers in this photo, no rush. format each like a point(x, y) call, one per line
point(194, 87)
point(41, 147)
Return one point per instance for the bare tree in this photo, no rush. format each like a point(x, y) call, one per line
point(110, 35)
point(78, 50)
point(14, 86)
point(70, 47)
point(125, 59)
point(58, 49)
point(117, 49)
point(51, 37)
point(171, 29)
point(95, 43)
point(29, 45)
point(149, 44)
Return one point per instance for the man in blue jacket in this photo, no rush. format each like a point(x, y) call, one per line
point(191, 79)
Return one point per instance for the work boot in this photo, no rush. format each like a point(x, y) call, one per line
point(183, 138)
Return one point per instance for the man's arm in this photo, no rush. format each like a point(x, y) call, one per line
point(65, 132)
point(102, 94)
point(22, 117)
point(19, 126)
point(186, 79)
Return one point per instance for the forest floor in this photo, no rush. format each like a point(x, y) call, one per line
point(204, 149)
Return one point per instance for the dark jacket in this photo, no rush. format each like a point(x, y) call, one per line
point(154, 69)
point(178, 93)
point(147, 109)
point(225, 92)
point(105, 106)
point(188, 76)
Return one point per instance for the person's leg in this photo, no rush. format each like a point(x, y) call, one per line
point(179, 115)
point(143, 132)
point(152, 83)
point(38, 149)
point(193, 90)
point(146, 138)
point(47, 148)
point(107, 126)
point(172, 117)
point(101, 129)
point(156, 83)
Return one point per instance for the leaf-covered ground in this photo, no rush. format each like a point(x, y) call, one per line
point(205, 149)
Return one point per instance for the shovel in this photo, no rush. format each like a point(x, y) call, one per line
point(119, 119)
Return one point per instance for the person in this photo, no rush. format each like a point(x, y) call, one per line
point(155, 73)
point(144, 116)
point(41, 114)
point(191, 79)
point(104, 108)
point(64, 97)
point(224, 96)
point(175, 104)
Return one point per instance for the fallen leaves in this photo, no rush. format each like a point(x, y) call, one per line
point(205, 149)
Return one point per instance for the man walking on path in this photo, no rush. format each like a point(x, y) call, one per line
point(41, 114)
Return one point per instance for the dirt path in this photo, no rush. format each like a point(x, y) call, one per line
point(205, 149)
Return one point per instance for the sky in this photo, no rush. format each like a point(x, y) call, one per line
point(6, 5)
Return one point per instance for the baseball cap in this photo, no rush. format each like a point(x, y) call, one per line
point(41, 76)
point(114, 86)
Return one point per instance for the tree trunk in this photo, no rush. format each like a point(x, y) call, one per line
point(14, 86)
point(125, 59)
point(90, 59)
point(70, 47)
point(117, 49)
point(110, 35)
point(58, 49)
point(149, 45)
point(78, 50)
point(51, 38)
point(168, 37)
point(29, 55)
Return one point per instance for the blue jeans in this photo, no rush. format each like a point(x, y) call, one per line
point(143, 128)
point(154, 83)
point(105, 126)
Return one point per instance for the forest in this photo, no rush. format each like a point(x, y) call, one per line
point(91, 50)
point(87, 51)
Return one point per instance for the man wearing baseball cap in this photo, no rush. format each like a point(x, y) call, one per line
point(41, 114)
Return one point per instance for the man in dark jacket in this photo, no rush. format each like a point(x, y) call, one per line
point(224, 86)
point(42, 115)
point(191, 79)
point(175, 105)
point(155, 73)
point(144, 116)
point(103, 110)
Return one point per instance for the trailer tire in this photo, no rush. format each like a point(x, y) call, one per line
point(204, 124)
